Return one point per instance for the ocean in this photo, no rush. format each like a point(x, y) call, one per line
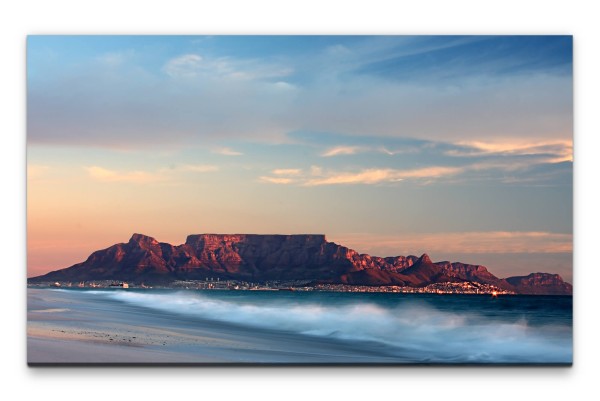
point(293, 327)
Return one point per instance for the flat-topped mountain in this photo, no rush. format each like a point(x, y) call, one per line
point(259, 258)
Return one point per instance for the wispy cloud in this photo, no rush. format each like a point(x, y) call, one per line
point(542, 169)
point(195, 65)
point(352, 150)
point(106, 175)
point(187, 65)
point(276, 180)
point(404, 150)
point(430, 172)
point(282, 176)
point(342, 150)
point(197, 93)
point(143, 177)
point(284, 86)
point(369, 176)
point(456, 57)
point(318, 177)
point(287, 171)
point(227, 152)
point(476, 242)
point(557, 151)
point(376, 176)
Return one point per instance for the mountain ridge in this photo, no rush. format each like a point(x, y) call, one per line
point(267, 257)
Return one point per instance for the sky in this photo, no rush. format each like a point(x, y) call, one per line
point(456, 146)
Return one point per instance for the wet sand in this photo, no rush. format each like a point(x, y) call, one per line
point(75, 328)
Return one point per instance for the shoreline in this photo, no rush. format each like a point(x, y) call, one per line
point(97, 331)
point(463, 288)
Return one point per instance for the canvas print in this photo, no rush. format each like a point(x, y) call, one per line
point(299, 200)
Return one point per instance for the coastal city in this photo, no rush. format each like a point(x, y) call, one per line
point(465, 287)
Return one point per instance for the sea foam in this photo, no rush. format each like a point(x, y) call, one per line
point(413, 330)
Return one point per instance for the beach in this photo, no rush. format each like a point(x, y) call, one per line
point(64, 329)
point(72, 326)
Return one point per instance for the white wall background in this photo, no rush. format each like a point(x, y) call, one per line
point(17, 19)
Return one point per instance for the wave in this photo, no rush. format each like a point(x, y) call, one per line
point(416, 331)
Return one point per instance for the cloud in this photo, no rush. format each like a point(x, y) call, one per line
point(451, 58)
point(191, 100)
point(404, 150)
point(352, 150)
point(318, 177)
point(376, 176)
point(187, 65)
point(287, 171)
point(230, 68)
point(106, 175)
point(143, 177)
point(282, 85)
point(341, 150)
point(369, 176)
point(276, 180)
point(431, 172)
point(477, 242)
point(537, 165)
point(227, 152)
point(425, 162)
point(192, 97)
point(557, 151)
point(283, 176)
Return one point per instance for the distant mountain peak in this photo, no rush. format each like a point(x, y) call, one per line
point(425, 259)
point(142, 239)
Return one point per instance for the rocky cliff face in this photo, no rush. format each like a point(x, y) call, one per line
point(271, 257)
point(254, 257)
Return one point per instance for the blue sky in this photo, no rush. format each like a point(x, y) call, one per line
point(459, 146)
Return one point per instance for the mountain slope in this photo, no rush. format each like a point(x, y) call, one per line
point(254, 257)
point(540, 283)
